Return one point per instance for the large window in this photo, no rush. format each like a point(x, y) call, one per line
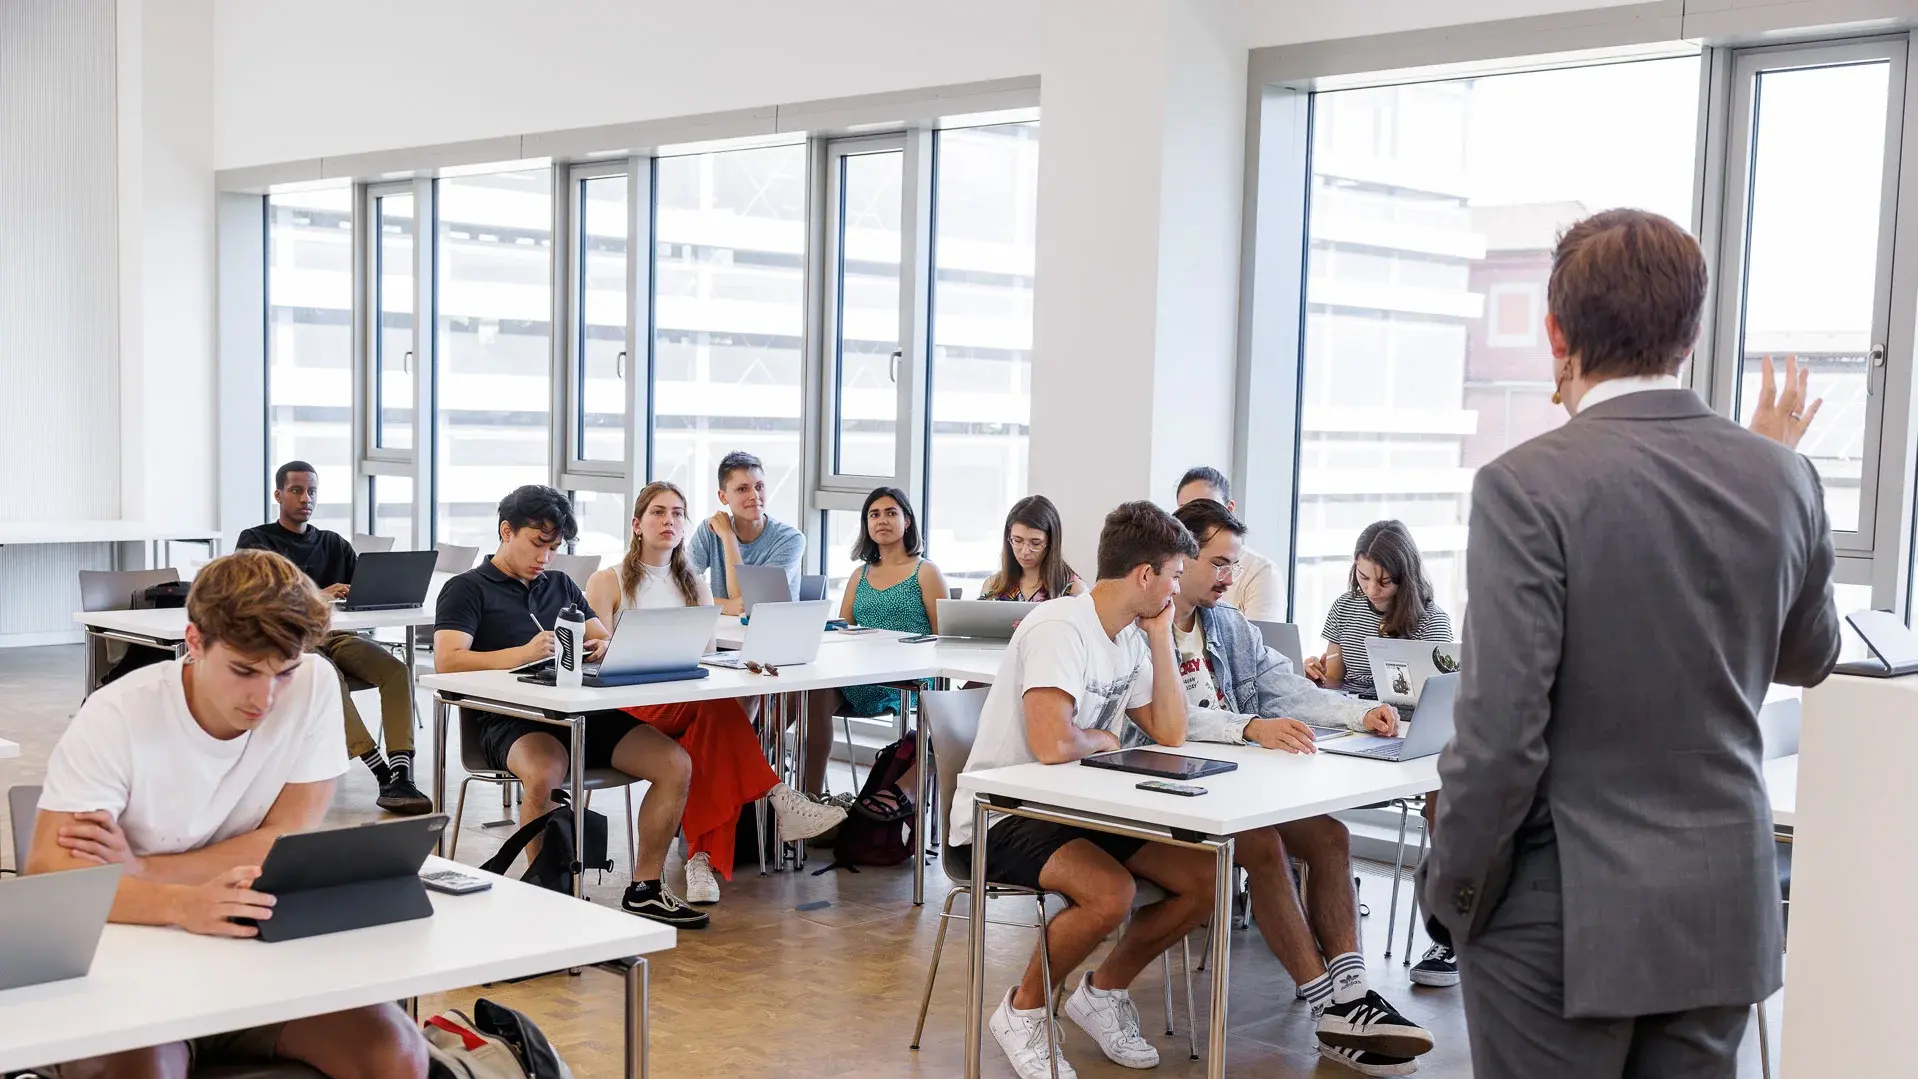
point(984, 223)
point(495, 308)
point(309, 344)
point(1434, 210)
point(601, 365)
point(729, 319)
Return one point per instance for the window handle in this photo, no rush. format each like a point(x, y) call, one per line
point(893, 371)
point(406, 362)
point(619, 365)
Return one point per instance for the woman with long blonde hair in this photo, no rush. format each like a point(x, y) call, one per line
point(729, 769)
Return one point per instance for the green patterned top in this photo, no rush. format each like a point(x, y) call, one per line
point(901, 607)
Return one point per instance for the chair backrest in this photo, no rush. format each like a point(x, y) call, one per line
point(577, 566)
point(472, 756)
point(812, 586)
point(953, 717)
point(365, 544)
point(958, 592)
point(454, 559)
point(1283, 638)
point(113, 590)
point(22, 803)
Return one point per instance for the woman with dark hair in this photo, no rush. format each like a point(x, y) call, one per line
point(895, 588)
point(1032, 558)
point(729, 767)
point(1387, 595)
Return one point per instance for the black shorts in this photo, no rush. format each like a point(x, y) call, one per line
point(603, 731)
point(1017, 848)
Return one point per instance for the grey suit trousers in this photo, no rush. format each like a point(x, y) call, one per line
point(1513, 981)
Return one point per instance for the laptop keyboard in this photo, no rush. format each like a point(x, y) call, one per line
point(1388, 752)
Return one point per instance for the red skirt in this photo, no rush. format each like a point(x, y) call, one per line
point(729, 771)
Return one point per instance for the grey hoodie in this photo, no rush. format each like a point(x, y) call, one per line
point(1258, 683)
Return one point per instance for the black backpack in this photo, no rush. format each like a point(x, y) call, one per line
point(553, 868)
point(865, 841)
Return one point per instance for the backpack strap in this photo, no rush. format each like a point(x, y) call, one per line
point(517, 842)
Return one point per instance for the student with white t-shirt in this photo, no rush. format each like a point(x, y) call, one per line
point(729, 769)
point(185, 773)
point(1074, 671)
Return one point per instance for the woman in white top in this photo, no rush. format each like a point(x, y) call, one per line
point(729, 768)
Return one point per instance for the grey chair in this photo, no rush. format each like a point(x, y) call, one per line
point(812, 586)
point(365, 544)
point(22, 803)
point(958, 592)
point(1283, 638)
point(952, 718)
point(478, 771)
point(454, 559)
point(579, 567)
point(115, 590)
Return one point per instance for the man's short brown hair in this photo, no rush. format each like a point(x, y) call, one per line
point(1141, 534)
point(258, 604)
point(1627, 292)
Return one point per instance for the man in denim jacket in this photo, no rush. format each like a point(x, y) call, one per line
point(1241, 692)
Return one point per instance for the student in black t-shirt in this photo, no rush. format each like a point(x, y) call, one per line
point(328, 560)
point(499, 615)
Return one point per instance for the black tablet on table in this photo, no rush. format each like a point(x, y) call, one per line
point(1155, 762)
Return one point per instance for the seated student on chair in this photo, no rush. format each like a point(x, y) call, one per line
point(1032, 557)
point(499, 615)
point(185, 772)
point(742, 533)
point(894, 587)
point(729, 767)
point(1239, 691)
point(328, 560)
point(1257, 592)
point(1072, 674)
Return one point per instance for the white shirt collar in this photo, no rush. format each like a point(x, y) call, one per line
point(1613, 389)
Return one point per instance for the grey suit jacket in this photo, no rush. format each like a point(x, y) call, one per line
point(1638, 577)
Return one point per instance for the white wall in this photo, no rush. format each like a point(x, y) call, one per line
point(1286, 22)
point(296, 79)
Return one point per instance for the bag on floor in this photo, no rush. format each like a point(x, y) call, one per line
point(553, 868)
point(497, 1043)
point(866, 841)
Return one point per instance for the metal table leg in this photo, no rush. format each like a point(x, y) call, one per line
point(576, 778)
point(637, 1034)
point(976, 938)
point(1221, 957)
point(440, 711)
point(909, 702)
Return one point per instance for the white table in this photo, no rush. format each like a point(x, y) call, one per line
point(861, 661)
point(151, 986)
point(1781, 783)
point(8, 749)
point(37, 533)
point(731, 634)
point(1268, 788)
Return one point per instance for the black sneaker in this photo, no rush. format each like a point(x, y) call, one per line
point(1439, 968)
point(1372, 1025)
point(399, 795)
point(663, 907)
point(1366, 1062)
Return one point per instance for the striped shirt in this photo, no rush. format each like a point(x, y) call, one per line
point(1352, 619)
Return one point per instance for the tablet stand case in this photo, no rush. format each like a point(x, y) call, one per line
point(347, 878)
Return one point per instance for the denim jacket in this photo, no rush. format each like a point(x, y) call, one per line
point(1257, 683)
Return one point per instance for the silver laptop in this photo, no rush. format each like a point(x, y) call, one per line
point(50, 924)
point(1400, 668)
point(762, 584)
point(654, 640)
point(1425, 736)
point(780, 634)
point(981, 619)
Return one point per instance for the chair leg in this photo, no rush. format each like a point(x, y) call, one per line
point(1764, 1042)
point(459, 811)
point(1205, 949)
point(759, 811)
point(632, 832)
point(1398, 869)
point(932, 969)
point(1166, 959)
point(1045, 971)
point(852, 754)
point(1412, 923)
point(1191, 1013)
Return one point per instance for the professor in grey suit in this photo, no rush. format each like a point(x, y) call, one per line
point(1603, 854)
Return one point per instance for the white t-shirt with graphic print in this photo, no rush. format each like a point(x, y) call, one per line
point(1060, 645)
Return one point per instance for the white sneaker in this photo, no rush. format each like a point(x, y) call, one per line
point(1023, 1036)
point(1113, 1021)
point(799, 816)
point(702, 886)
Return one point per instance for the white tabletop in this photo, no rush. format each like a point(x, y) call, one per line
point(1781, 783)
point(730, 634)
point(1269, 787)
point(30, 532)
point(150, 986)
point(169, 624)
point(8, 749)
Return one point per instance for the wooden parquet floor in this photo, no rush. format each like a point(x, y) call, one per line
point(829, 991)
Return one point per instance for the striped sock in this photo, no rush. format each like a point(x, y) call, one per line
point(1347, 973)
point(1317, 994)
point(374, 760)
point(401, 763)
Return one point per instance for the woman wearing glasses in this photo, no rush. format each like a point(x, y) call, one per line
point(1032, 560)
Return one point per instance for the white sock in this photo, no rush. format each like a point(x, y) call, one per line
point(1317, 994)
point(1349, 982)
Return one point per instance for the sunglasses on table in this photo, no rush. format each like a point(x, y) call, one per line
point(757, 667)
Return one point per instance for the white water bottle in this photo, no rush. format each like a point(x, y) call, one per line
point(569, 642)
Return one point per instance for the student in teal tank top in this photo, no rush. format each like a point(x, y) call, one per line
point(893, 588)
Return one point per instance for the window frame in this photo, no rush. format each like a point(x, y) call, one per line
point(371, 459)
point(576, 471)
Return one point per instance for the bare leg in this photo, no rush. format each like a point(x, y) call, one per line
point(1100, 890)
point(659, 760)
point(154, 1062)
point(1326, 846)
point(539, 761)
point(375, 1042)
point(1186, 876)
point(1275, 903)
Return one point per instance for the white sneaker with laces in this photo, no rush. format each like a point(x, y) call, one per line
point(1023, 1036)
point(702, 886)
point(799, 816)
point(1113, 1021)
